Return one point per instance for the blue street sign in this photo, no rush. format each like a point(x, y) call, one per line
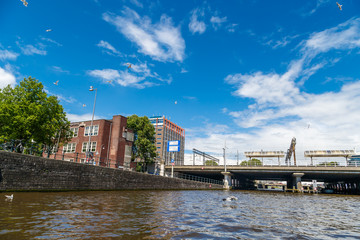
point(172, 160)
point(173, 146)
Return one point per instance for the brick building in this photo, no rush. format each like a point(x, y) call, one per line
point(110, 143)
point(165, 131)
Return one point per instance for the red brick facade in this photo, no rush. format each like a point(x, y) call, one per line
point(111, 143)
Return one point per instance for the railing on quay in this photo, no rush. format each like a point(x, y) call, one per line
point(198, 178)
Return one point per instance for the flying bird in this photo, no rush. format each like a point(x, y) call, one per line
point(56, 83)
point(48, 30)
point(84, 105)
point(340, 6)
point(9, 197)
point(129, 65)
point(24, 2)
point(109, 81)
point(175, 102)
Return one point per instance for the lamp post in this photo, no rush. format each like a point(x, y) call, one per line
point(92, 120)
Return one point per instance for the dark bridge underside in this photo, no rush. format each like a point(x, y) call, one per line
point(323, 174)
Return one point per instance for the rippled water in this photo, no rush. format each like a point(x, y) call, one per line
point(178, 215)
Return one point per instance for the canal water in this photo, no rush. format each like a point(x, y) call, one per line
point(178, 215)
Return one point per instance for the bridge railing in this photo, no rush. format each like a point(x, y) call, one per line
point(198, 178)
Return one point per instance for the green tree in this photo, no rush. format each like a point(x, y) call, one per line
point(144, 145)
point(328, 164)
point(211, 163)
point(252, 162)
point(28, 114)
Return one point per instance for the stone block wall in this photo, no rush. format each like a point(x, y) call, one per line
point(19, 172)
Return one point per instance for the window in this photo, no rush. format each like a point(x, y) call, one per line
point(92, 146)
point(75, 131)
point(158, 138)
point(70, 147)
point(94, 131)
point(158, 143)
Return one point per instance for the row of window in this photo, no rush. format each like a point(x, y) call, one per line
point(71, 147)
point(93, 131)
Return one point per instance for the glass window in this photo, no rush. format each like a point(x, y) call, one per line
point(94, 131)
point(92, 146)
point(75, 131)
point(70, 147)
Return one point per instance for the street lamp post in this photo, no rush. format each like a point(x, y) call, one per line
point(92, 120)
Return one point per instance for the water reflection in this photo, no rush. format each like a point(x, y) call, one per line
point(178, 215)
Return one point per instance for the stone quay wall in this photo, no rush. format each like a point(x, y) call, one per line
point(19, 172)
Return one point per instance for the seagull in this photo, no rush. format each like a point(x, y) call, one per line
point(9, 197)
point(231, 198)
point(84, 105)
point(109, 81)
point(129, 65)
point(24, 2)
point(48, 30)
point(340, 6)
point(56, 83)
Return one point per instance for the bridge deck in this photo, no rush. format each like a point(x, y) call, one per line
point(338, 173)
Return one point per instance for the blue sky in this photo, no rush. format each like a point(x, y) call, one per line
point(254, 73)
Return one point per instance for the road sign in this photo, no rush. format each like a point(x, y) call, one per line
point(172, 160)
point(173, 146)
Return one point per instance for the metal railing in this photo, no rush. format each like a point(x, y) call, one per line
point(198, 178)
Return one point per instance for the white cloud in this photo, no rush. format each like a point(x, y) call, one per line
point(139, 76)
point(217, 21)
point(8, 55)
point(345, 36)
point(6, 78)
point(196, 26)
point(161, 41)
point(282, 111)
point(270, 88)
point(108, 47)
point(105, 74)
point(51, 41)
point(59, 69)
point(31, 50)
point(79, 118)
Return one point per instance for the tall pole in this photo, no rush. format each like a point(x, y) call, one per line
point(92, 120)
point(237, 157)
point(224, 157)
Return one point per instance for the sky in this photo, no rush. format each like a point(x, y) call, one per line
point(251, 74)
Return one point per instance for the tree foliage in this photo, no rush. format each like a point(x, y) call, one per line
point(329, 164)
point(211, 163)
point(144, 145)
point(252, 162)
point(28, 114)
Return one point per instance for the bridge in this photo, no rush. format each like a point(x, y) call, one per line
point(242, 177)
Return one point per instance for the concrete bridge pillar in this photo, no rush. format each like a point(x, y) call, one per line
point(227, 179)
point(295, 181)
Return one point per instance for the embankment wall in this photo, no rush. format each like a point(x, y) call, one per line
point(19, 172)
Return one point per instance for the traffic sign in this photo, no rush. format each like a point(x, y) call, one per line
point(173, 146)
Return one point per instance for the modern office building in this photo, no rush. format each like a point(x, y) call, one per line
point(165, 131)
point(110, 143)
